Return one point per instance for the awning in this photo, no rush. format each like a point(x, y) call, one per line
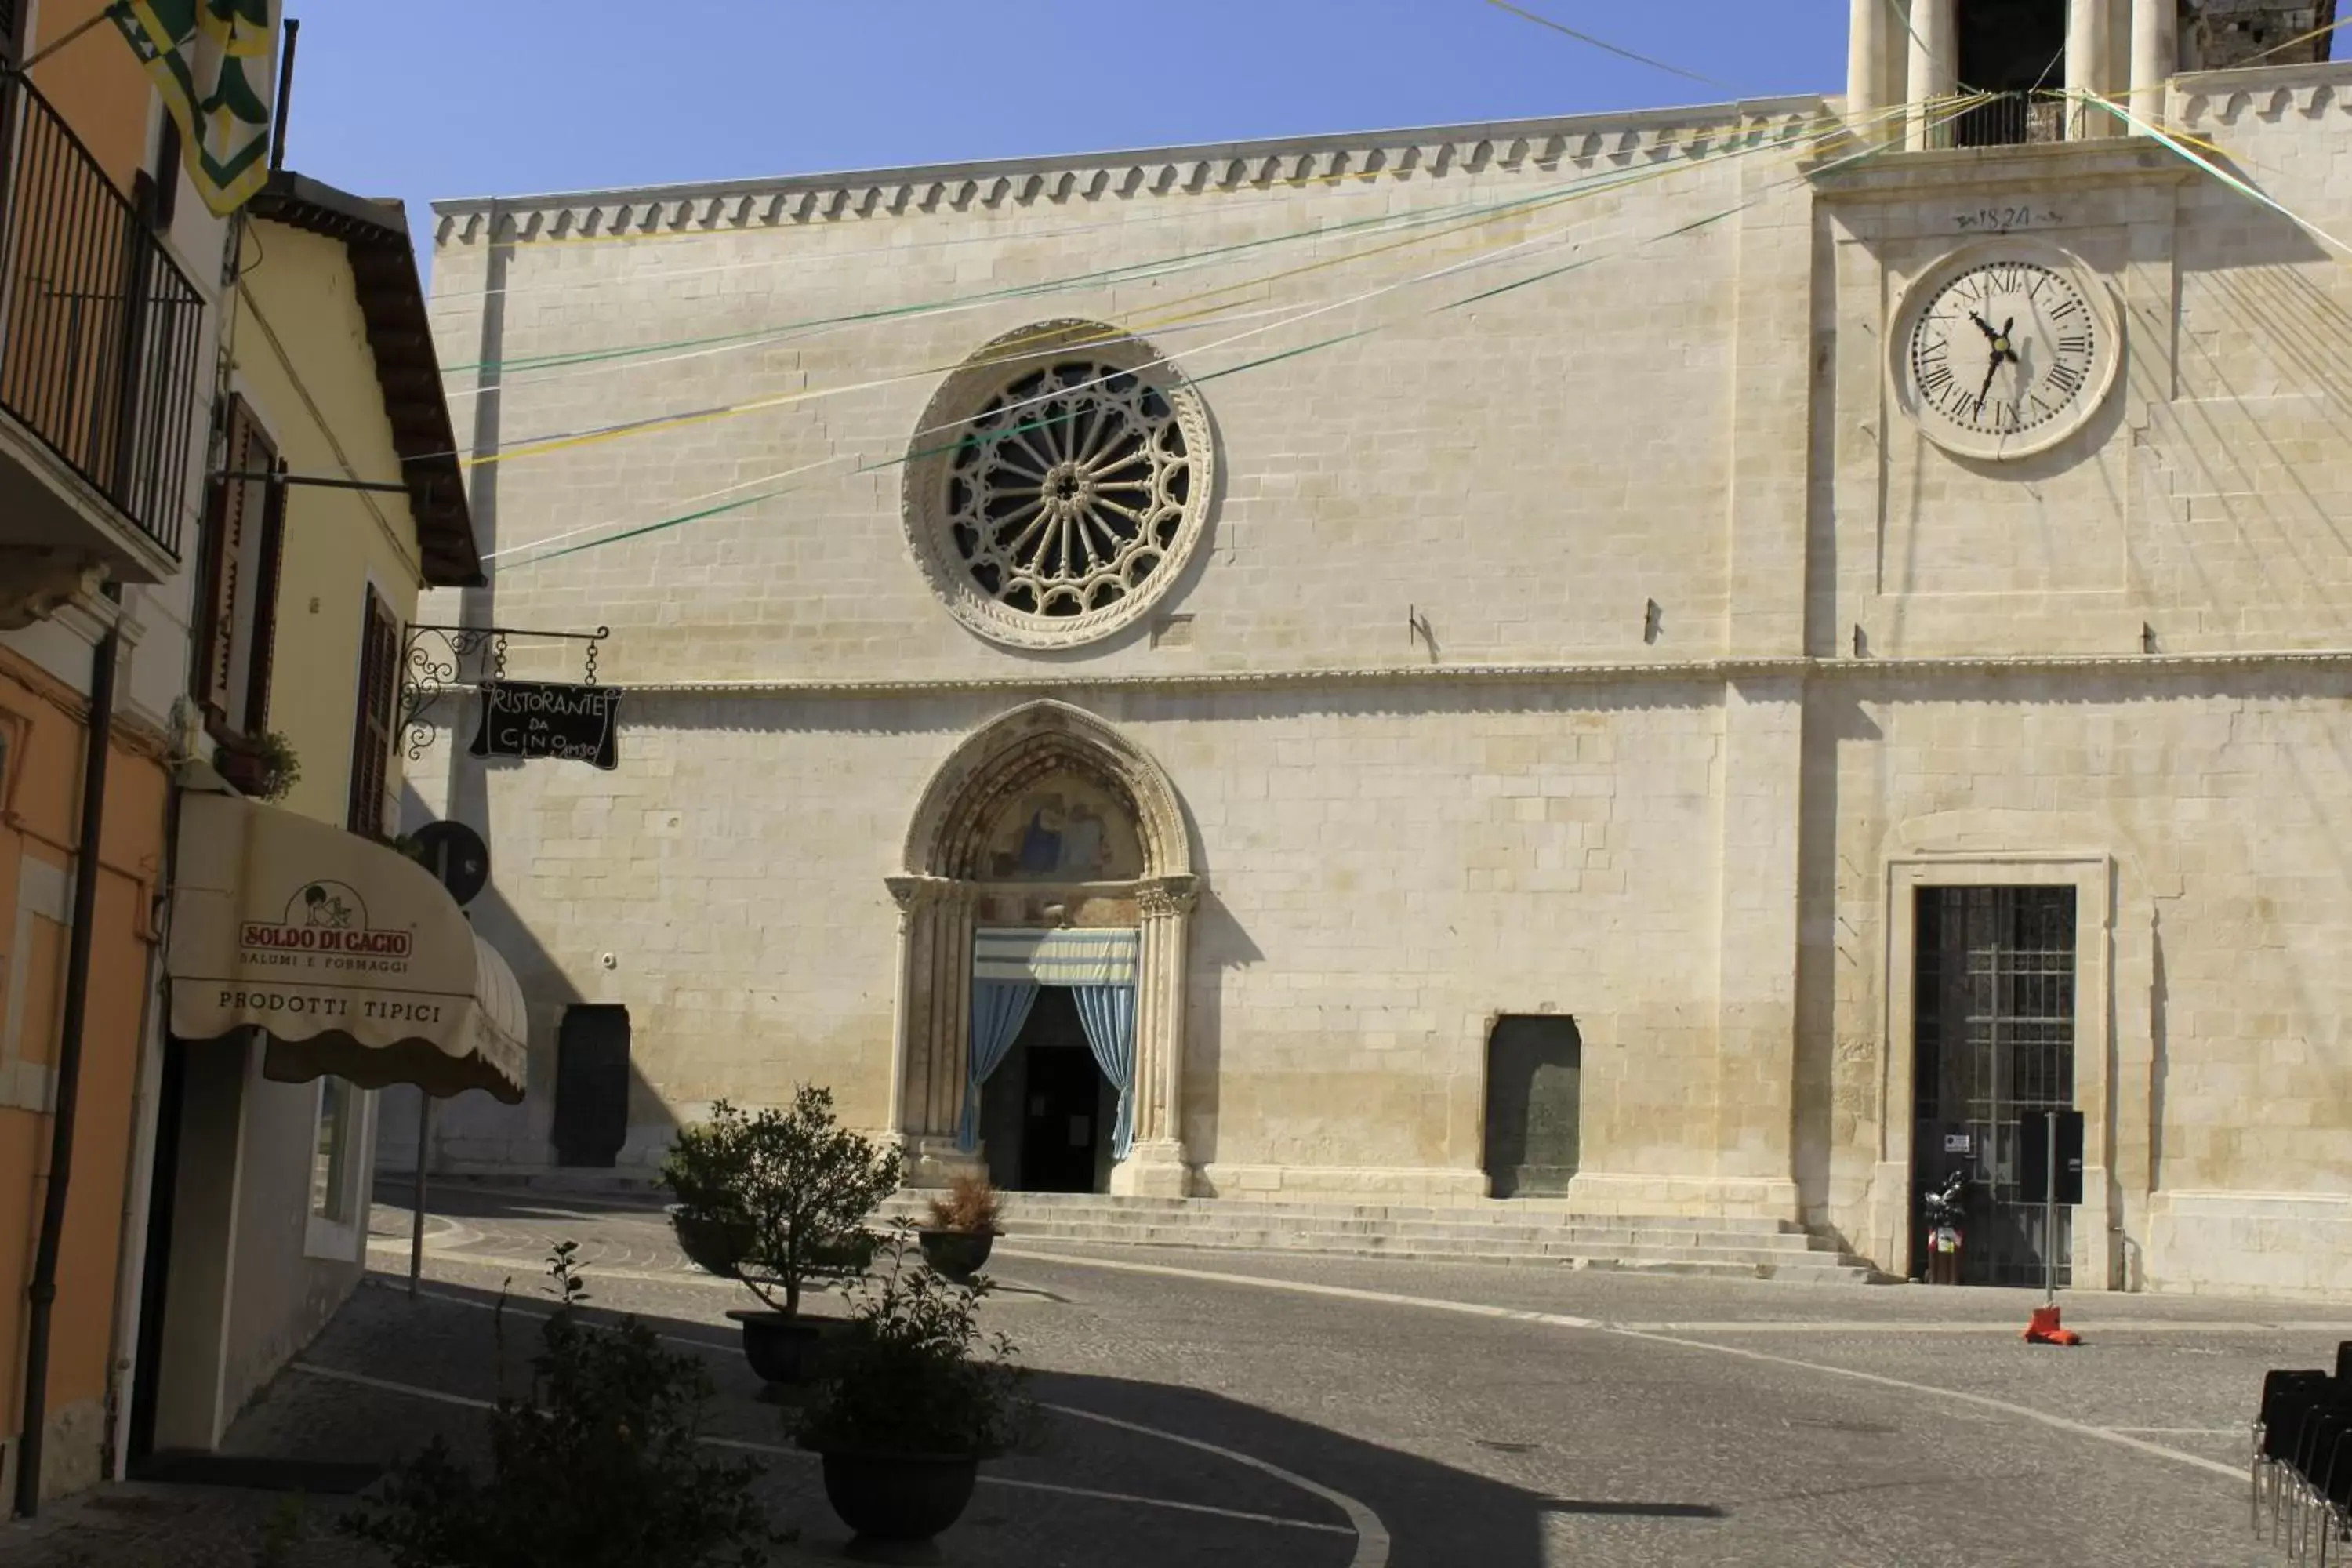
point(1054, 957)
point(352, 957)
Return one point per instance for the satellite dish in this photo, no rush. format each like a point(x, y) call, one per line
point(455, 854)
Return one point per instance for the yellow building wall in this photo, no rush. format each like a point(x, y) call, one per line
point(39, 827)
point(338, 542)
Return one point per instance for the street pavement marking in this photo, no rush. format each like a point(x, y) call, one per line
point(749, 1447)
point(1559, 1319)
point(1880, 1326)
point(435, 1241)
point(1371, 1535)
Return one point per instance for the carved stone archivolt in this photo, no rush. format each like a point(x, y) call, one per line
point(1057, 483)
point(1047, 750)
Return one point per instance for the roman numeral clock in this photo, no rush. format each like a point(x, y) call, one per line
point(2004, 350)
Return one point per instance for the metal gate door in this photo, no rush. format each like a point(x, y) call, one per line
point(1994, 1028)
point(592, 1086)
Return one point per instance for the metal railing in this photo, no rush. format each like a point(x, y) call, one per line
point(101, 331)
point(2012, 119)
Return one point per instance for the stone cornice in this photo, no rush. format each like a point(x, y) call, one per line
point(1686, 671)
point(2265, 91)
point(1428, 152)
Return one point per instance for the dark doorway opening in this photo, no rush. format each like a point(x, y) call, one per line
point(2016, 48)
point(1045, 1113)
point(1535, 1105)
point(154, 1274)
point(1993, 1024)
point(592, 1086)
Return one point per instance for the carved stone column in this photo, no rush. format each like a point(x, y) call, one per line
point(933, 1027)
point(1155, 1165)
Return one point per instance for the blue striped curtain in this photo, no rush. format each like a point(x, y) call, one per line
point(1109, 1014)
point(999, 1008)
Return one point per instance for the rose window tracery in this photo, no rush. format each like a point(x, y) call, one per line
point(1064, 487)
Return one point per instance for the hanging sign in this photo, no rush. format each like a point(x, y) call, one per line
point(532, 719)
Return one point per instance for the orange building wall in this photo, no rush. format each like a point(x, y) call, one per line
point(38, 819)
point(96, 84)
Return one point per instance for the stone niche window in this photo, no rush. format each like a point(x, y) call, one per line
point(1535, 1072)
point(1057, 484)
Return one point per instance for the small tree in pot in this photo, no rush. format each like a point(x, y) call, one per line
point(778, 1200)
point(913, 1399)
point(964, 1226)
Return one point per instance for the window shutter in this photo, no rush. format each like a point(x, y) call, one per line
point(372, 730)
point(216, 584)
point(263, 643)
point(231, 662)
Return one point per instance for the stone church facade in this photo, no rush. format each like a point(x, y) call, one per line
point(1535, 687)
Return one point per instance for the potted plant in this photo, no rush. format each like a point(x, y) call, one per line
point(262, 767)
point(600, 1462)
point(913, 1398)
point(778, 1200)
point(964, 1226)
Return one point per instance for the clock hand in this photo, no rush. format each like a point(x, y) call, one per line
point(1990, 370)
point(1984, 326)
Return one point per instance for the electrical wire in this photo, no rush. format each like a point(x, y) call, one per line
point(1157, 320)
point(1959, 107)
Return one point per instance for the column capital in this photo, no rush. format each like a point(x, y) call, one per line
point(1164, 897)
point(913, 893)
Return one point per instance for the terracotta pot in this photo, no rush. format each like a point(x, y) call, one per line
point(957, 1254)
point(898, 1497)
point(782, 1349)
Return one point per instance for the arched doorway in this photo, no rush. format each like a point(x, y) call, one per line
point(1047, 852)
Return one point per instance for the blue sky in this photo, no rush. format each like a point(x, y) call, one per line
point(426, 99)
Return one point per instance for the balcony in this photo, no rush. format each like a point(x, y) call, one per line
point(100, 358)
point(2012, 119)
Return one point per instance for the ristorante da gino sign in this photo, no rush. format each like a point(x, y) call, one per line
point(532, 719)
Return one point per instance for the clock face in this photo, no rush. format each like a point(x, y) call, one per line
point(2003, 355)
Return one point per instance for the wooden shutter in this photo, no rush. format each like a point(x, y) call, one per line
point(262, 634)
point(237, 511)
point(372, 730)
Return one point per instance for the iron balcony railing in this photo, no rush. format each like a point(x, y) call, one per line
point(2012, 119)
point(101, 331)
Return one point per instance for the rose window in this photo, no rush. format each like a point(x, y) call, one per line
point(1066, 499)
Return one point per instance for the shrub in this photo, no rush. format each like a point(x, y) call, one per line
point(600, 1466)
point(915, 1375)
point(780, 1198)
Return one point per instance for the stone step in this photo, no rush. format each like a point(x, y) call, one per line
point(1800, 1272)
point(1340, 1231)
point(1546, 1234)
point(1508, 1213)
point(1139, 1232)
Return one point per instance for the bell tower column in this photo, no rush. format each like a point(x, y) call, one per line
point(1935, 68)
point(1865, 62)
point(2087, 24)
point(2155, 53)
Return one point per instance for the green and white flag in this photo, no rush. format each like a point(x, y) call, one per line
point(211, 60)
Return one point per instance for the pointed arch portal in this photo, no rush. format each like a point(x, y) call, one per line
point(1047, 819)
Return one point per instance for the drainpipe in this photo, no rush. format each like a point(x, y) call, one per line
point(43, 1294)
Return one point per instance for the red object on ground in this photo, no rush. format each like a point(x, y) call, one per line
point(2044, 1329)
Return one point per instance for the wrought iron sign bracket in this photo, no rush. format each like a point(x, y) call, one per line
point(436, 661)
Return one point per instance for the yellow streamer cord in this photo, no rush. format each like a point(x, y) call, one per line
point(1170, 314)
